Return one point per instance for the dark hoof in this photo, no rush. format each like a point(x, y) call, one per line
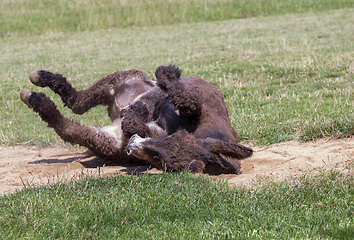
point(169, 70)
point(25, 95)
point(34, 77)
point(29, 97)
point(159, 69)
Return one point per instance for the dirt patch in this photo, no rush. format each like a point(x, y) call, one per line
point(23, 166)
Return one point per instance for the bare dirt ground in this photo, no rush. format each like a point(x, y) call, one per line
point(26, 166)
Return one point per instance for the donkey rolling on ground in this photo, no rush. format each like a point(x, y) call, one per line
point(174, 123)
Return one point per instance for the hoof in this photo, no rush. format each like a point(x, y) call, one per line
point(159, 69)
point(34, 77)
point(25, 95)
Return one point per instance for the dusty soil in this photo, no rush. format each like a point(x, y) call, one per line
point(26, 166)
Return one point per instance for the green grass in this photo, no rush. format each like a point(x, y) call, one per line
point(24, 17)
point(283, 77)
point(181, 206)
point(287, 73)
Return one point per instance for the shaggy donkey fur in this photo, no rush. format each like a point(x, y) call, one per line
point(173, 123)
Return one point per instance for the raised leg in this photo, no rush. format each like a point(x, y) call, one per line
point(116, 91)
point(186, 102)
point(98, 140)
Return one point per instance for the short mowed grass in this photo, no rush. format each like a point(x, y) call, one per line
point(285, 68)
point(181, 206)
point(283, 77)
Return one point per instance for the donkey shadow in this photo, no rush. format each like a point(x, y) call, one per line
point(97, 162)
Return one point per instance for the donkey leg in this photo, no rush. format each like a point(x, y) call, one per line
point(98, 140)
point(78, 101)
point(168, 79)
point(116, 90)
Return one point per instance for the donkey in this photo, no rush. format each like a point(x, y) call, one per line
point(174, 123)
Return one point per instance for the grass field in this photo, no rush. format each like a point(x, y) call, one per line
point(23, 17)
point(181, 206)
point(284, 77)
point(285, 67)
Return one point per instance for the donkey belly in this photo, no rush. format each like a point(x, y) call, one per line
point(115, 130)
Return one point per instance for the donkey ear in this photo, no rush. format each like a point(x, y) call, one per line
point(234, 150)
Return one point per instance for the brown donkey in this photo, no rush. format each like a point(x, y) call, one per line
point(174, 123)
